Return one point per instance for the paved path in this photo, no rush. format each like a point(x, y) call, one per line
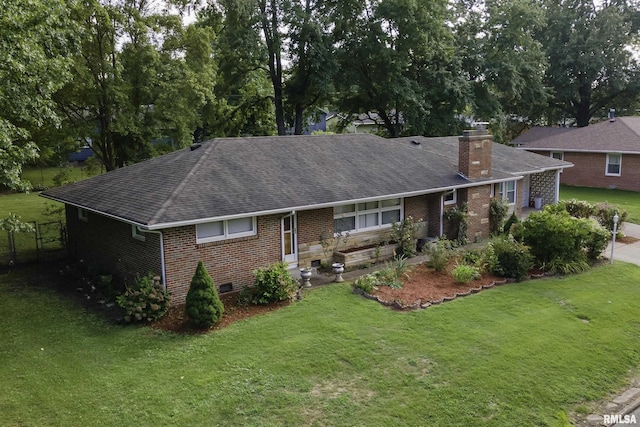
point(627, 252)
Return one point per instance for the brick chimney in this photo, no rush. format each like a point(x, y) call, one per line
point(474, 154)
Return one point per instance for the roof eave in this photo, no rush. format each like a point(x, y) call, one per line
point(287, 210)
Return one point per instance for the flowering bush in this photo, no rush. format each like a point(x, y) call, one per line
point(145, 301)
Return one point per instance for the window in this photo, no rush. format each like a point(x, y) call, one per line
point(221, 230)
point(558, 155)
point(450, 197)
point(83, 215)
point(137, 234)
point(614, 164)
point(507, 191)
point(368, 215)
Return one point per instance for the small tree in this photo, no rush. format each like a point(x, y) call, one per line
point(498, 209)
point(203, 306)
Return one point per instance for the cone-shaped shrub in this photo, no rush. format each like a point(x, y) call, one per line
point(203, 306)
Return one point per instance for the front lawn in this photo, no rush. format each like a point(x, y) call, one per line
point(628, 200)
point(520, 354)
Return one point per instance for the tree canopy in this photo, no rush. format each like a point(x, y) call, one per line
point(37, 39)
point(131, 79)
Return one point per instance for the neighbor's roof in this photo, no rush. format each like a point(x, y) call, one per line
point(619, 136)
point(231, 177)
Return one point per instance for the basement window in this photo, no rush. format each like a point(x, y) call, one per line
point(227, 287)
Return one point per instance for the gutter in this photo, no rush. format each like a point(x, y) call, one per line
point(162, 261)
point(159, 226)
point(573, 150)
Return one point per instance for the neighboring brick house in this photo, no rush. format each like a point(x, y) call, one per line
point(605, 154)
point(242, 203)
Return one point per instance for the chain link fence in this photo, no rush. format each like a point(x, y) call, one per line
point(46, 242)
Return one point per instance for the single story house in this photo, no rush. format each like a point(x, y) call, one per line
point(242, 203)
point(605, 154)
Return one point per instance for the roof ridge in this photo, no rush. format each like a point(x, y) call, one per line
point(167, 203)
point(624, 122)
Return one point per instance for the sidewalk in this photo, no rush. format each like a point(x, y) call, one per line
point(627, 252)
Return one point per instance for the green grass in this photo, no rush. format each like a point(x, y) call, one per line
point(43, 177)
point(521, 354)
point(31, 207)
point(627, 200)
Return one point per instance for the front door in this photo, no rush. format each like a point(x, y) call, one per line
point(289, 240)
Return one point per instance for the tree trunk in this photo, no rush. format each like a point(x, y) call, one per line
point(582, 105)
point(299, 125)
point(271, 30)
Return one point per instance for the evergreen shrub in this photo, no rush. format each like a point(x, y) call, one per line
point(203, 306)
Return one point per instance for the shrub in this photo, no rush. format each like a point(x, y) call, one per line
point(513, 220)
point(457, 224)
point(579, 208)
point(203, 306)
point(145, 301)
point(498, 209)
point(555, 235)
point(367, 283)
point(567, 266)
point(390, 276)
point(596, 241)
point(403, 233)
point(439, 253)
point(62, 178)
point(507, 257)
point(273, 284)
point(606, 213)
point(476, 258)
point(464, 273)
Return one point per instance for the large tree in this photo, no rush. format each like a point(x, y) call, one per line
point(35, 43)
point(244, 93)
point(140, 77)
point(313, 65)
point(397, 63)
point(503, 61)
point(591, 67)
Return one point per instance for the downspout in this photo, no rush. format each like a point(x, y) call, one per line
point(441, 213)
point(162, 264)
point(557, 195)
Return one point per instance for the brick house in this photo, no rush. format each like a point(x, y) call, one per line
point(242, 203)
point(605, 154)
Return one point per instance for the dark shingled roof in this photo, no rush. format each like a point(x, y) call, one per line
point(621, 135)
point(234, 176)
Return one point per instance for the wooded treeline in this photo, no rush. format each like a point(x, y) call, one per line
point(135, 80)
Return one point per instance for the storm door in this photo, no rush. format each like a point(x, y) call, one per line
point(289, 240)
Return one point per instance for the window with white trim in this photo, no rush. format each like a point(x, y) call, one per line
point(229, 229)
point(507, 191)
point(558, 155)
point(367, 215)
point(614, 165)
point(450, 197)
point(137, 234)
point(83, 215)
